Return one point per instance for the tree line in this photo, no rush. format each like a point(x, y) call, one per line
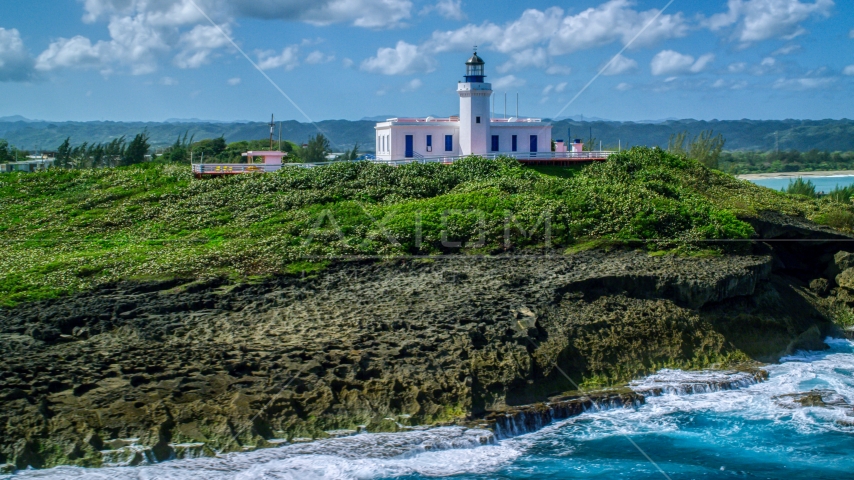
point(116, 153)
point(738, 163)
point(121, 152)
point(10, 153)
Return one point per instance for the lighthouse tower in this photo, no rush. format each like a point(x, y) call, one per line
point(474, 108)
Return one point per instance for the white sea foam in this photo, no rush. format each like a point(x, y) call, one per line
point(434, 452)
point(451, 451)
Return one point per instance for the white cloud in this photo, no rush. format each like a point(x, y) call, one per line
point(289, 58)
point(510, 81)
point(77, 52)
point(767, 66)
point(737, 67)
point(757, 20)
point(619, 65)
point(168, 81)
point(234, 81)
point(537, 36)
point(412, 85)
point(135, 41)
point(199, 44)
point(155, 12)
point(558, 70)
point(317, 57)
point(612, 21)
point(849, 70)
point(144, 32)
point(361, 13)
point(559, 88)
point(347, 63)
point(722, 84)
point(404, 59)
point(450, 9)
point(787, 50)
point(669, 62)
point(16, 65)
point(525, 59)
point(801, 84)
point(623, 87)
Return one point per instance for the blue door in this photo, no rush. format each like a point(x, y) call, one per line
point(495, 143)
point(409, 147)
point(533, 144)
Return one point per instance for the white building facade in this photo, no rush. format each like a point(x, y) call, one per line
point(473, 132)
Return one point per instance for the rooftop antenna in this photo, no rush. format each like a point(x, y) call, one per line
point(272, 126)
point(280, 136)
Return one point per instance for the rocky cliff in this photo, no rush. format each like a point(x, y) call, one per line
point(151, 371)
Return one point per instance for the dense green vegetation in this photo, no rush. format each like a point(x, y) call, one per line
point(68, 230)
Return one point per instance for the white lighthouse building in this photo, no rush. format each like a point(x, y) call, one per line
point(473, 132)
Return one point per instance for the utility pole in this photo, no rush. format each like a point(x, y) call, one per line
point(272, 126)
point(280, 136)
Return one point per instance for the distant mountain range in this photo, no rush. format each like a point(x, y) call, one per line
point(760, 135)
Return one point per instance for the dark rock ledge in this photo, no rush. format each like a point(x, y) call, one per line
point(149, 372)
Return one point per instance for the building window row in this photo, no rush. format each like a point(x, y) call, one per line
point(514, 143)
point(384, 143)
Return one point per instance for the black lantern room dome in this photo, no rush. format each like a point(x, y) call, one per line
point(475, 69)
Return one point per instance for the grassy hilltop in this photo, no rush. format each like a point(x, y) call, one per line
point(65, 231)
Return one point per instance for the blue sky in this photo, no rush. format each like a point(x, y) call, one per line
point(151, 60)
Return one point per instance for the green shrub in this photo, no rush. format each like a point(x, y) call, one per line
point(67, 231)
point(801, 187)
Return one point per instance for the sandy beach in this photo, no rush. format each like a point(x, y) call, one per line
point(833, 173)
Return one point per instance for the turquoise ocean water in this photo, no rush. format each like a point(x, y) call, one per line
point(755, 432)
point(822, 184)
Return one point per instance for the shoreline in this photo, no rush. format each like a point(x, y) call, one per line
point(793, 175)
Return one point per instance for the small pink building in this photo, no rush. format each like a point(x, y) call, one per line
point(262, 161)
